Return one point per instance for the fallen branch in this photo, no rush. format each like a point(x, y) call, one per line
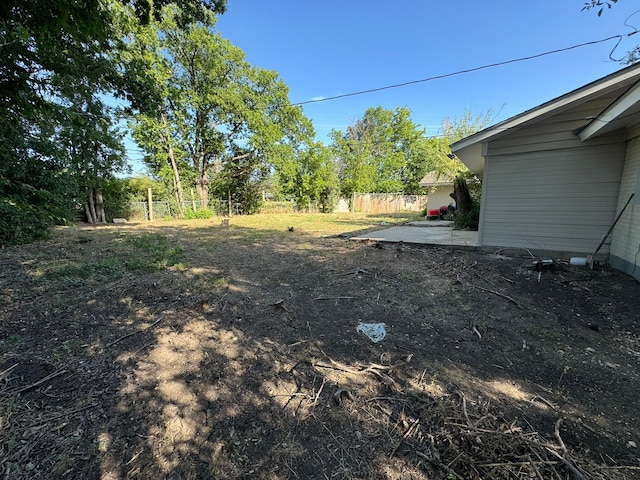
point(136, 332)
point(515, 302)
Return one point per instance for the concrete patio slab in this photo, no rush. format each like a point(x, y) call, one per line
point(445, 236)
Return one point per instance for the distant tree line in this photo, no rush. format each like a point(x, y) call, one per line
point(76, 76)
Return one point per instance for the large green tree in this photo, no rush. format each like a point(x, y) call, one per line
point(208, 103)
point(311, 177)
point(384, 151)
point(50, 54)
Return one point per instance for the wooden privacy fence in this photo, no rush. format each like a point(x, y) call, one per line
point(388, 202)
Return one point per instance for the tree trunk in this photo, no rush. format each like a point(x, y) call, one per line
point(87, 212)
point(100, 215)
point(92, 216)
point(202, 187)
point(177, 183)
point(462, 196)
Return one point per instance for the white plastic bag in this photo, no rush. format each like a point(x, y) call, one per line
point(375, 331)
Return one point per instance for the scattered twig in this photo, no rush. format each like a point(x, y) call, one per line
point(357, 271)
point(340, 394)
point(515, 302)
point(464, 410)
point(475, 330)
point(534, 468)
point(556, 432)
point(576, 473)
point(545, 401)
point(5, 373)
point(439, 465)
point(315, 400)
point(332, 298)
point(51, 376)
point(66, 414)
point(136, 332)
point(409, 432)
point(280, 304)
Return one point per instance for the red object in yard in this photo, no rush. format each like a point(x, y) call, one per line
point(433, 212)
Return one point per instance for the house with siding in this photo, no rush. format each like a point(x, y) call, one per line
point(556, 177)
point(440, 188)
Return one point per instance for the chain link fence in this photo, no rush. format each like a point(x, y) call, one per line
point(139, 211)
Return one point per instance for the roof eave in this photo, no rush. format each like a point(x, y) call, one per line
point(579, 95)
point(623, 112)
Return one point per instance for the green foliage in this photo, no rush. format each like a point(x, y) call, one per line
point(137, 189)
point(58, 140)
point(34, 195)
point(202, 214)
point(102, 267)
point(469, 220)
point(117, 198)
point(457, 128)
point(310, 177)
point(384, 151)
point(222, 117)
point(157, 252)
point(241, 180)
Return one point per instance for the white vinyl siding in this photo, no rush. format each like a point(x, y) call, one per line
point(439, 196)
point(625, 238)
point(552, 200)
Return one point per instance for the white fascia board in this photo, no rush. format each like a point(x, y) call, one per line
point(616, 111)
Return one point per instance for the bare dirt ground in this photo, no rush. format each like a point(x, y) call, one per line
point(192, 350)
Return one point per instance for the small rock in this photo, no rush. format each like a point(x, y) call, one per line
point(632, 444)
point(590, 350)
point(610, 365)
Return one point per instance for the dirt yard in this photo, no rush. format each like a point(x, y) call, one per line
point(197, 351)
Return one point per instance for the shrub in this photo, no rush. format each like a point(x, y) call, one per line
point(202, 214)
point(469, 220)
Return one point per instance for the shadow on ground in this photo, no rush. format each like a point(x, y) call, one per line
point(174, 352)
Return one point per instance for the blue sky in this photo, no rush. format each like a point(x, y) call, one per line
point(332, 47)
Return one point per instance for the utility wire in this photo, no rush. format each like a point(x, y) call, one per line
point(469, 70)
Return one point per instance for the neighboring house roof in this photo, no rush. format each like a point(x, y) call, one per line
point(622, 112)
point(433, 179)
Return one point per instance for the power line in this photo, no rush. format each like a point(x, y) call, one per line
point(468, 70)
